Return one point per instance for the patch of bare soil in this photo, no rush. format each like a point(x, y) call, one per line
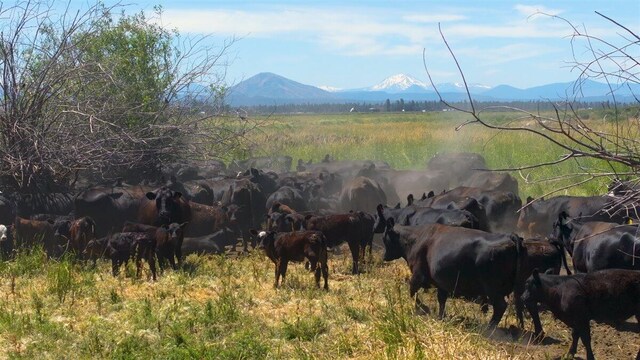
point(622, 342)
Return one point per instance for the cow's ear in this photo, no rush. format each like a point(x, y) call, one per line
point(254, 172)
point(536, 276)
point(379, 208)
point(430, 194)
point(409, 199)
point(529, 199)
point(177, 194)
point(397, 206)
point(549, 272)
point(151, 195)
point(254, 232)
point(424, 196)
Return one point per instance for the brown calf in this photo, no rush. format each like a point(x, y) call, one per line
point(81, 231)
point(296, 246)
point(339, 228)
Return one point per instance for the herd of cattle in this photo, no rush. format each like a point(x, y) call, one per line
point(462, 232)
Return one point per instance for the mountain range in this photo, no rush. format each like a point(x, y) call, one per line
point(273, 89)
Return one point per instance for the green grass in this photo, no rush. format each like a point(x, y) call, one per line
point(409, 140)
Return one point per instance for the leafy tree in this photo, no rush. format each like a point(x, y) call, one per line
point(93, 95)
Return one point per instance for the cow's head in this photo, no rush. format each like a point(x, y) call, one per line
point(174, 231)
point(562, 229)
point(3, 233)
point(392, 248)
point(380, 221)
point(167, 203)
point(62, 230)
point(265, 238)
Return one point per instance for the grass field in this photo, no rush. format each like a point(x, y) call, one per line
point(226, 307)
point(409, 140)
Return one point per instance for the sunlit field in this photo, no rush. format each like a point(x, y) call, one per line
point(409, 140)
point(225, 307)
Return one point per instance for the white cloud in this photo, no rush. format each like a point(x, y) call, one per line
point(434, 18)
point(364, 32)
point(536, 10)
point(487, 56)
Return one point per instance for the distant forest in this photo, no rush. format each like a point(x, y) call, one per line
point(408, 106)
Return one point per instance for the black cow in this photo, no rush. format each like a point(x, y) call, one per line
point(460, 262)
point(110, 206)
point(542, 255)
point(48, 203)
point(8, 209)
point(501, 207)
point(289, 196)
point(597, 245)
point(414, 216)
point(451, 201)
point(163, 207)
point(209, 244)
point(361, 194)
point(121, 247)
point(490, 180)
point(538, 216)
point(609, 296)
point(247, 202)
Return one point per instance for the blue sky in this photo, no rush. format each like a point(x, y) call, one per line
point(352, 44)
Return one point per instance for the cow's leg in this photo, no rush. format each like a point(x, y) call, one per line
point(318, 273)
point(245, 242)
point(114, 266)
point(139, 263)
point(575, 334)
point(415, 284)
point(517, 300)
point(283, 269)
point(277, 275)
point(499, 307)
point(161, 260)
point(585, 336)
point(152, 264)
point(442, 301)
point(325, 275)
point(354, 246)
point(178, 252)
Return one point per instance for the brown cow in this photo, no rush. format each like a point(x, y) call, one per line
point(81, 231)
point(31, 232)
point(296, 246)
point(341, 228)
point(207, 219)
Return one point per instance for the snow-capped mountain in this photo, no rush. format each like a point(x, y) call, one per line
point(329, 88)
point(459, 87)
point(400, 83)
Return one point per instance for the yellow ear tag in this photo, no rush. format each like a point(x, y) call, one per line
point(630, 221)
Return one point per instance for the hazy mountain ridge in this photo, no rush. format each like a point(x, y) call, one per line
point(270, 89)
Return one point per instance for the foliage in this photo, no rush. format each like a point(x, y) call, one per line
point(92, 95)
